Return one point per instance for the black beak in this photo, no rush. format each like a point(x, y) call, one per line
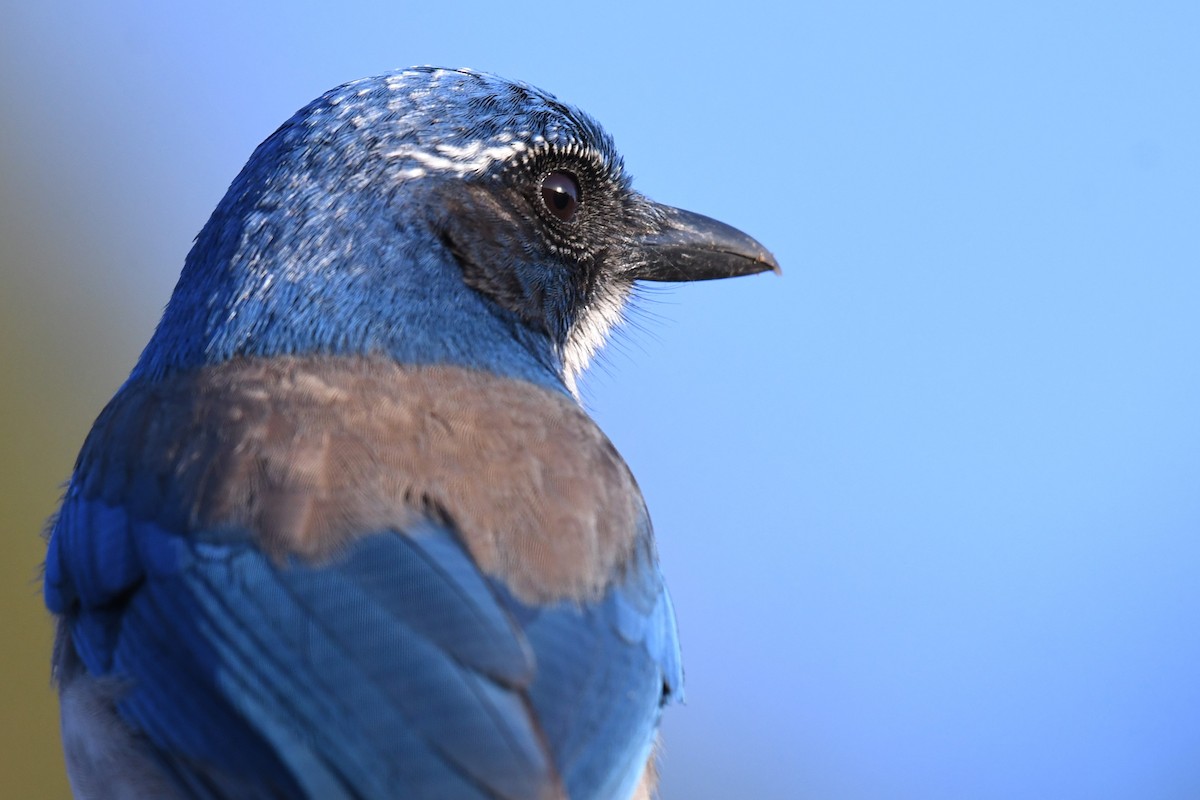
point(693, 247)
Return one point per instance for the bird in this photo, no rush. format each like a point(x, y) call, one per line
point(346, 530)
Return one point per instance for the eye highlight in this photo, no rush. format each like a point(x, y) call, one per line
point(560, 193)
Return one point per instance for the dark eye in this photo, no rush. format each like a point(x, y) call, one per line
point(560, 193)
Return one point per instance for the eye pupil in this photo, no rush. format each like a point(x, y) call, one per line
point(560, 193)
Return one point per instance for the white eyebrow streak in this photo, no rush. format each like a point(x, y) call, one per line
point(461, 160)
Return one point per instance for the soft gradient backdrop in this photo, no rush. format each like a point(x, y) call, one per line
point(929, 503)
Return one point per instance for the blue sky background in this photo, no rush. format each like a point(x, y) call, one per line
point(929, 503)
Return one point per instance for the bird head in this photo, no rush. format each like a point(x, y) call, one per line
point(434, 216)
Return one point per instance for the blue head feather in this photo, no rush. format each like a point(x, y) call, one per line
point(333, 238)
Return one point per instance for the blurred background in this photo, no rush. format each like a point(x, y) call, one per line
point(929, 503)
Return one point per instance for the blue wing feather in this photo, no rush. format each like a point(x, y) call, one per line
point(393, 667)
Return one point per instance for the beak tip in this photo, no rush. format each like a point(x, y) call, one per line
point(767, 262)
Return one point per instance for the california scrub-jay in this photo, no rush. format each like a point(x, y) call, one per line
point(346, 531)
